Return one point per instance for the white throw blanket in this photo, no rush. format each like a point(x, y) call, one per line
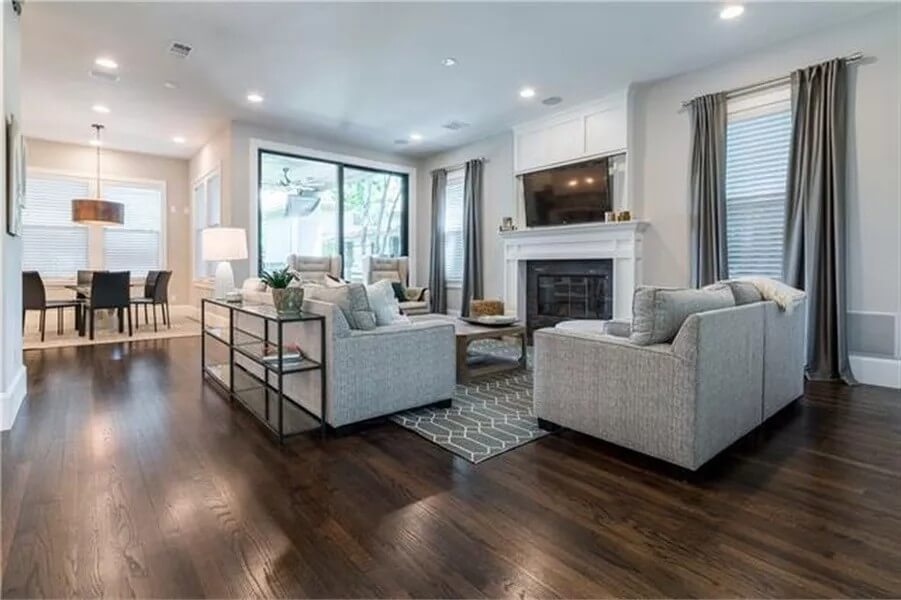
point(785, 296)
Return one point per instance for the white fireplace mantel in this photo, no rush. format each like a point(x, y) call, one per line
point(618, 241)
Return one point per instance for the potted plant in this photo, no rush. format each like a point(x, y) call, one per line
point(285, 297)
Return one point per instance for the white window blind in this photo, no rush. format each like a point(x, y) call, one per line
point(758, 137)
point(51, 243)
point(136, 245)
point(453, 227)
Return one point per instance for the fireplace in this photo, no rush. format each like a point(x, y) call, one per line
point(561, 290)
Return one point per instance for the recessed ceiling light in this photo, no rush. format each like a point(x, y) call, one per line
point(732, 11)
point(527, 92)
point(254, 97)
point(416, 137)
point(100, 108)
point(178, 139)
point(106, 62)
point(95, 143)
point(589, 180)
point(573, 182)
point(450, 61)
point(170, 85)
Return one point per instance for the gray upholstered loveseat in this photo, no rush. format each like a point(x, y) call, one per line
point(369, 373)
point(725, 372)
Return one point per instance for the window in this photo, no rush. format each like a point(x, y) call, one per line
point(207, 213)
point(313, 207)
point(136, 245)
point(51, 243)
point(453, 227)
point(758, 137)
point(56, 247)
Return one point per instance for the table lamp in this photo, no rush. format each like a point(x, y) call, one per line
point(224, 244)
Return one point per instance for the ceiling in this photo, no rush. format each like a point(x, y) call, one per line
point(367, 73)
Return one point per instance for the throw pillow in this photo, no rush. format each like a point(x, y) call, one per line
point(383, 302)
point(618, 328)
point(744, 292)
point(399, 291)
point(332, 281)
point(658, 313)
point(351, 299)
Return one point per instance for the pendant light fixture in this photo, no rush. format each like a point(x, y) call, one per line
point(96, 211)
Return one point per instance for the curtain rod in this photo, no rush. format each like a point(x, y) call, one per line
point(462, 164)
point(762, 85)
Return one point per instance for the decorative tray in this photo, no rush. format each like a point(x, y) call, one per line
point(491, 320)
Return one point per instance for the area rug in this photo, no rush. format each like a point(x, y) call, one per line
point(184, 324)
point(486, 418)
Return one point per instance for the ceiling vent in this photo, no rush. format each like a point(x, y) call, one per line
point(401, 142)
point(180, 50)
point(104, 75)
point(455, 125)
point(552, 101)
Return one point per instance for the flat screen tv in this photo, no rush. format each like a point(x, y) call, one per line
point(577, 193)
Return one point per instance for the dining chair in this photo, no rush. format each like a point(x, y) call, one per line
point(84, 277)
point(109, 290)
point(34, 297)
point(156, 292)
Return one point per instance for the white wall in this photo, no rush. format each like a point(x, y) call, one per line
point(498, 190)
point(231, 149)
point(72, 158)
point(12, 370)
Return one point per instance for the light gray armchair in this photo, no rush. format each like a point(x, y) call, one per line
point(315, 268)
point(726, 371)
point(376, 268)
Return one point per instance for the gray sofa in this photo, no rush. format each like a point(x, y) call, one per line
point(725, 372)
point(369, 373)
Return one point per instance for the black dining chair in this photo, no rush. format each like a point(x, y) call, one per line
point(34, 297)
point(109, 290)
point(156, 292)
point(84, 277)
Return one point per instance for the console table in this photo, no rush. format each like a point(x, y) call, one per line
point(274, 360)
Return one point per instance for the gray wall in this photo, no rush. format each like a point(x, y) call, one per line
point(499, 202)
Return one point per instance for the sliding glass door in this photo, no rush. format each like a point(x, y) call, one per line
point(374, 210)
point(312, 207)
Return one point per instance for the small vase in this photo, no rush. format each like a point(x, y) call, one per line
point(287, 300)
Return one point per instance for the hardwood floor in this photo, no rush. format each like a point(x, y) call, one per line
point(125, 476)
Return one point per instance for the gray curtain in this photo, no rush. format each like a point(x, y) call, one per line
point(708, 189)
point(472, 234)
point(437, 286)
point(815, 214)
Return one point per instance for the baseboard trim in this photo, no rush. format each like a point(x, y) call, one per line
point(871, 370)
point(11, 399)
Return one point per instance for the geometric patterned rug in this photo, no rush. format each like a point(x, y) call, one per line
point(486, 418)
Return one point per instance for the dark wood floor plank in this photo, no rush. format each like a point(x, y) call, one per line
point(126, 476)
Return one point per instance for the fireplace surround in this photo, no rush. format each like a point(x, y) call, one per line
point(619, 242)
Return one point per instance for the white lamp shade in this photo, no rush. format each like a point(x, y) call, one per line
point(224, 243)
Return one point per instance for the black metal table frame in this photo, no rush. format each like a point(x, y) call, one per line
point(279, 370)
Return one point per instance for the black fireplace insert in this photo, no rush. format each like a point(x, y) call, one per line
point(562, 290)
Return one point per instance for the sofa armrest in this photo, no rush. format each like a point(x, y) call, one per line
point(417, 294)
point(336, 324)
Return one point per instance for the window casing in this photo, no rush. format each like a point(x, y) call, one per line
point(206, 212)
point(758, 139)
point(453, 227)
point(56, 247)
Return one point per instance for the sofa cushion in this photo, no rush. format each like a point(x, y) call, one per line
point(351, 299)
point(658, 313)
point(382, 302)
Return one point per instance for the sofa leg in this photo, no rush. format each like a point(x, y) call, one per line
point(547, 425)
